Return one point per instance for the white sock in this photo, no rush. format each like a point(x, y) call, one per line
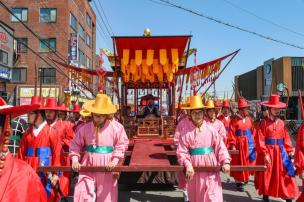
point(185, 194)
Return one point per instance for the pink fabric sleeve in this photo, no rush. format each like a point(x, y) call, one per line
point(120, 145)
point(182, 152)
point(222, 131)
point(220, 150)
point(76, 146)
point(177, 134)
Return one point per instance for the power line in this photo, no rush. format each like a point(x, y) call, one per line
point(107, 20)
point(98, 12)
point(60, 56)
point(263, 19)
point(38, 55)
point(231, 25)
point(102, 36)
point(29, 29)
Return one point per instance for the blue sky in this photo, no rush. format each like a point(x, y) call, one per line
point(130, 17)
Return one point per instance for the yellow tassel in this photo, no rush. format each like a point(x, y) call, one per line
point(133, 67)
point(170, 77)
point(163, 56)
point(138, 57)
point(123, 67)
point(150, 55)
point(155, 66)
point(174, 53)
point(166, 68)
point(160, 74)
point(145, 69)
point(125, 56)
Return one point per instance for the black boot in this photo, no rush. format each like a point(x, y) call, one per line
point(240, 187)
point(266, 199)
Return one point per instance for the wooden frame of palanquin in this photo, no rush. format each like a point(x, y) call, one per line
point(166, 124)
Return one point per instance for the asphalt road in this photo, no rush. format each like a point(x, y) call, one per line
point(229, 192)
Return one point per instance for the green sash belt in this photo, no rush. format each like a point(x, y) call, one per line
point(201, 150)
point(100, 149)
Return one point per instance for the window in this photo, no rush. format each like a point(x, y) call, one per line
point(48, 75)
point(47, 45)
point(3, 57)
point(48, 14)
point(297, 77)
point(81, 32)
point(88, 63)
point(20, 45)
point(81, 57)
point(88, 40)
point(88, 20)
point(73, 22)
point(19, 75)
point(20, 13)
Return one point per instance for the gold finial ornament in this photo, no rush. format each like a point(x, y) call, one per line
point(147, 32)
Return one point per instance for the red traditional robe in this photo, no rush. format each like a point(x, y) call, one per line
point(241, 136)
point(278, 180)
point(299, 157)
point(65, 131)
point(19, 182)
point(39, 150)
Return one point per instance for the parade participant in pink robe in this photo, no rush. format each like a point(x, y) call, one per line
point(213, 121)
point(201, 145)
point(182, 183)
point(104, 141)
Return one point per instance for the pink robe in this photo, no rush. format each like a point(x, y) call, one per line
point(101, 187)
point(219, 127)
point(205, 186)
point(182, 183)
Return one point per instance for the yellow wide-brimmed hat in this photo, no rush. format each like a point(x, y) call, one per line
point(210, 104)
point(85, 113)
point(101, 105)
point(195, 102)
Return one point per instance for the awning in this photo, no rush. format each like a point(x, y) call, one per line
point(154, 58)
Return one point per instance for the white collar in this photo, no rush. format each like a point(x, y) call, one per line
point(36, 131)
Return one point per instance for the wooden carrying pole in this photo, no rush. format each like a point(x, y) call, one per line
point(148, 168)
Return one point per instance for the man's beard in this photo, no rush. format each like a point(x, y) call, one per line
point(197, 123)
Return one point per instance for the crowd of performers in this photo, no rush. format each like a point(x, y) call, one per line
point(94, 137)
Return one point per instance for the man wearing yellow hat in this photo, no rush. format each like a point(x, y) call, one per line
point(104, 141)
point(213, 121)
point(201, 145)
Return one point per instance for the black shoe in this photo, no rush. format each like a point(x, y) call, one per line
point(266, 199)
point(288, 200)
point(240, 187)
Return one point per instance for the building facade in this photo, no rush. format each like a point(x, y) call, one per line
point(6, 56)
point(65, 31)
point(260, 82)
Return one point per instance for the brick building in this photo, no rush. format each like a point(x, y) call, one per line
point(260, 82)
point(53, 22)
